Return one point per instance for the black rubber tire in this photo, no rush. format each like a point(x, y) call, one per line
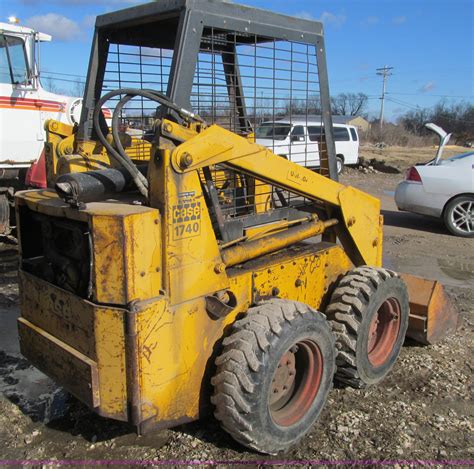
point(448, 214)
point(353, 305)
point(339, 164)
point(247, 364)
point(5, 214)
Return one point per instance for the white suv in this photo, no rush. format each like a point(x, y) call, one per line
point(298, 140)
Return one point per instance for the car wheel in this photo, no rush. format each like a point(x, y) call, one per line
point(339, 164)
point(459, 216)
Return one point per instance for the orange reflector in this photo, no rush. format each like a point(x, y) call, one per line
point(433, 316)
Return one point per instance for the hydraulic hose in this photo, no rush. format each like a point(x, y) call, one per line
point(119, 153)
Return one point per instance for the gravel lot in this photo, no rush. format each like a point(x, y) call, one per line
point(422, 412)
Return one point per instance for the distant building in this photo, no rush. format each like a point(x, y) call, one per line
point(362, 124)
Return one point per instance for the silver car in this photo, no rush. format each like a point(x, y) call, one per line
point(442, 188)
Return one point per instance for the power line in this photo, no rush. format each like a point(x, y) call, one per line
point(62, 79)
point(64, 74)
point(385, 72)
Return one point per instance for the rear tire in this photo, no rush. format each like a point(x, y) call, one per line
point(4, 215)
point(459, 216)
point(274, 375)
point(368, 313)
point(339, 164)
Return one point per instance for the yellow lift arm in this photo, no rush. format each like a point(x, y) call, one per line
point(361, 232)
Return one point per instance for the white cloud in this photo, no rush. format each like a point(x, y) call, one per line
point(427, 87)
point(304, 15)
point(330, 18)
point(89, 21)
point(60, 27)
point(399, 20)
point(370, 20)
point(326, 17)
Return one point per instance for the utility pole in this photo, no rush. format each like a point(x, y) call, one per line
point(385, 72)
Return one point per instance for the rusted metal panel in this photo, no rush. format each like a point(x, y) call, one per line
point(91, 330)
point(76, 372)
point(59, 313)
point(110, 284)
point(305, 272)
point(433, 316)
point(127, 255)
point(143, 255)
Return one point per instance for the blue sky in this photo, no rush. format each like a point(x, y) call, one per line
point(430, 43)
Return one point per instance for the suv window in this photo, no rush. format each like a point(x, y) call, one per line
point(273, 130)
point(341, 134)
point(13, 65)
point(298, 131)
point(354, 134)
point(314, 132)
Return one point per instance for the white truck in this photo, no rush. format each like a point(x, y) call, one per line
point(24, 107)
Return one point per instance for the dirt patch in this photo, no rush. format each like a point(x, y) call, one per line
point(422, 412)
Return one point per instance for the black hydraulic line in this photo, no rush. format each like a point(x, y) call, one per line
point(119, 154)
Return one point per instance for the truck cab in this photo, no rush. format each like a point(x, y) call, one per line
point(24, 104)
point(24, 107)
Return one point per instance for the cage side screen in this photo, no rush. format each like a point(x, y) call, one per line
point(248, 83)
point(239, 202)
point(136, 67)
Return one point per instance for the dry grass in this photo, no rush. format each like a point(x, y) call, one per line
point(402, 157)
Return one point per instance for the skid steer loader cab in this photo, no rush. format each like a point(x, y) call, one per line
point(181, 267)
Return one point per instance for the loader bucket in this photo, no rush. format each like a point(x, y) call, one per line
point(433, 316)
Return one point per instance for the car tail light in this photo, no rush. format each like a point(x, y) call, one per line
point(413, 175)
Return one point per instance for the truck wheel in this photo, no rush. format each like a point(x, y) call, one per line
point(368, 313)
point(274, 375)
point(4, 215)
point(339, 164)
point(459, 216)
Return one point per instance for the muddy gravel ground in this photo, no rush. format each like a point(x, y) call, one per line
point(422, 411)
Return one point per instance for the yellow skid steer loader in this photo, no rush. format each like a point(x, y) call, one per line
point(183, 266)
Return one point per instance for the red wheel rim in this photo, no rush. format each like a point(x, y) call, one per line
point(295, 383)
point(383, 332)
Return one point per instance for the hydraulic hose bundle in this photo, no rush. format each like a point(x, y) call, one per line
point(118, 153)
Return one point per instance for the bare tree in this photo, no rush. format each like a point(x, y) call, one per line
point(457, 118)
point(78, 88)
point(349, 104)
point(50, 84)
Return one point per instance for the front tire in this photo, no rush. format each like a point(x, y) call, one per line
point(459, 216)
point(368, 312)
point(274, 375)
